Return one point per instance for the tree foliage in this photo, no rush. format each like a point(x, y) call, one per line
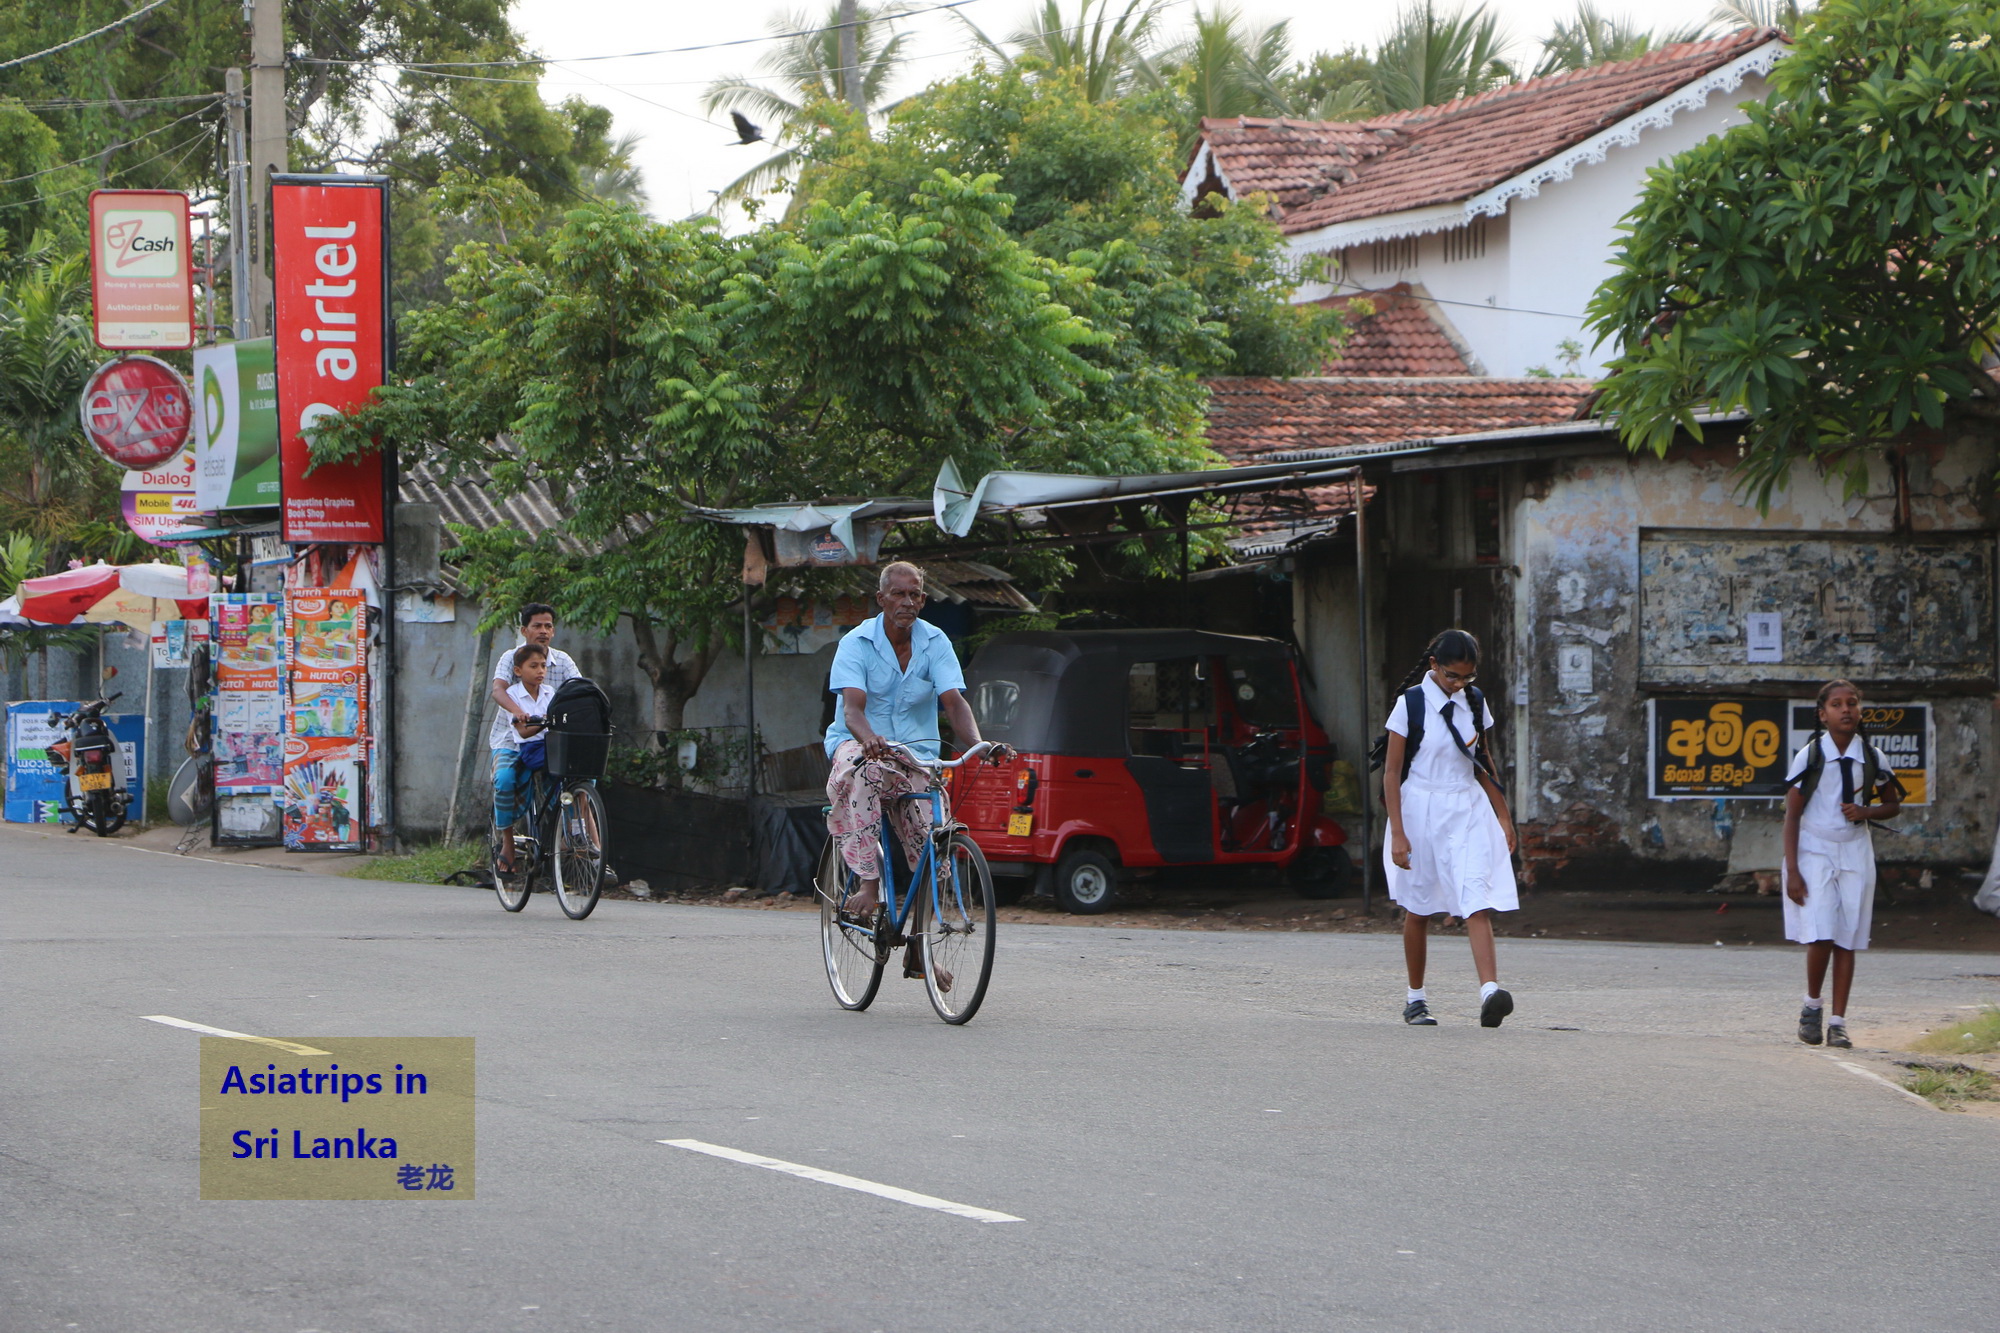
point(1832, 266)
point(1589, 36)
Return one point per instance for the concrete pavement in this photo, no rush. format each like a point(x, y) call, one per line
point(1200, 1131)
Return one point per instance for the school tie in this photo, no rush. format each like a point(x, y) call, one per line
point(1846, 781)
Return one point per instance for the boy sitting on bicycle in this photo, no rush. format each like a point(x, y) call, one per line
point(514, 762)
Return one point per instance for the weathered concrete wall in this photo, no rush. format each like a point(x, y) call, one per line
point(1581, 790)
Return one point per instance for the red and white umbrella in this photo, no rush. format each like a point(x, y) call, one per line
point(59, 599)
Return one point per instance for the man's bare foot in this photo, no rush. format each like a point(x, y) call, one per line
point(913, 968)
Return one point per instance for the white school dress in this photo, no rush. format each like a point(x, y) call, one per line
point(1836, 858)
point(1459, 861)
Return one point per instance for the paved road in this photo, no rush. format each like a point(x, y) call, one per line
point(1201, 1131)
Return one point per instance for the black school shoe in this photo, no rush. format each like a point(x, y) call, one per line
point(1496, 1007)
point(1809, 1025)
point(1836, 1035)
point(1418, 1015)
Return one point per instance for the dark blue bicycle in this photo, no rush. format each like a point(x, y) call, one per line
point(946, 903)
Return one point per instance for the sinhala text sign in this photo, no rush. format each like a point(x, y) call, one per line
point(141, 287)
point(330, 244)
point(1708, 747)
point(1902, 732)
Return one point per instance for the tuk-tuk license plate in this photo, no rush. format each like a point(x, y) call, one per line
point(1020, 826)
point(93, 781)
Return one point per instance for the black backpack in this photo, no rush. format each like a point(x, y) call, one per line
point(1871, 772)
point(580, 707)
point(1413, 717)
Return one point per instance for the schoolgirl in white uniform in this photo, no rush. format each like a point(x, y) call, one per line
point(1830, 855)
point(1451, 836)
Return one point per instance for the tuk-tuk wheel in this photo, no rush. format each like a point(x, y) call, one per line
point(1322, 872)
point(1086, 882)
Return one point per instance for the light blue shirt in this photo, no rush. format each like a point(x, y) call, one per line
point(902, 704)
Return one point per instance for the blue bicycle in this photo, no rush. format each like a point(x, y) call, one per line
point(946, 903)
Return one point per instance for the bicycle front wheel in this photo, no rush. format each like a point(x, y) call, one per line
point(854, 957)
point(957, 932)
point(579, 854)
point(513, 888)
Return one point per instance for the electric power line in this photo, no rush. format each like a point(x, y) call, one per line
point(185, 147)
point(634, 55)
point(1355, 289)
point(64, 166)
point(77, 41)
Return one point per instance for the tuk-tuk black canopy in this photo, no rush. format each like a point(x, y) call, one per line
point(1064, 692)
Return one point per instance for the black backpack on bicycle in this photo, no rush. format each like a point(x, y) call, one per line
point(579, 734)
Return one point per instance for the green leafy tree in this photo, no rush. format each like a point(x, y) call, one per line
point(1431, 57)
point(1104, 45)
point(1095, 182)
point(1332, 85)
point(635, 368)
point(1831, 267)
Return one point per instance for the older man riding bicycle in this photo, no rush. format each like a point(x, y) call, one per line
point(890, 677)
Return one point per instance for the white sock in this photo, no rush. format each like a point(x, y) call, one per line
point(1486, 990)
point(1836, 1021)
point(1812, 1002)
point(1418, 994)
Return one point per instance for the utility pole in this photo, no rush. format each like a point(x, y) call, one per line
point(850, 58)
point(236, 173)
point(267, 141)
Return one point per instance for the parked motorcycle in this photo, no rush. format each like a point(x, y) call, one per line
point(95, 767)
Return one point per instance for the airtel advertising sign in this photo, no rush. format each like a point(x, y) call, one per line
point(141, 286)
point(330, 252)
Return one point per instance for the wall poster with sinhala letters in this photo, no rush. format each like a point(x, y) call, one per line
point(1902, 732)
point(1708, 747)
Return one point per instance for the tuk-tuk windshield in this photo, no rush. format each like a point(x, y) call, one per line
point(1262, 691)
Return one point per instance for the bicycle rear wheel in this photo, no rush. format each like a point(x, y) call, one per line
point(957, 932)
point(854, 958)
point(579, 850)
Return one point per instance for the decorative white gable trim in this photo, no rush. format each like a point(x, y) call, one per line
point(1197, 172)
point(1494, 201)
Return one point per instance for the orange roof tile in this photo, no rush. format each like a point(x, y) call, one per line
point(1250, 419)
point(1400, 338)
point(1324, 173)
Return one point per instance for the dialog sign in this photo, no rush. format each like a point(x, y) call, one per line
point(141, 283)
point(331, 335)
point(1716, 747)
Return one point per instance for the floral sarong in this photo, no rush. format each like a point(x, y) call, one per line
point(859, 793)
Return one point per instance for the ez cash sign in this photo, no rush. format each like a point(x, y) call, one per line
point(331, 331)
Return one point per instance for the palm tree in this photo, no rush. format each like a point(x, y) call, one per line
point(1106, 49)
point(1781, 14)
point(618, 179)
point(1430, 58)
point(808, 70)
point(1591, 37)
point(47, 472)
point(1226, 67)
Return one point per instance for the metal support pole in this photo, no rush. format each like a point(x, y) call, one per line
point(241, 226)
point(267, 142)
point(1367, 689)
point(750, 688)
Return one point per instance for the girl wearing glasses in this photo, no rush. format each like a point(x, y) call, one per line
point(1451, 836)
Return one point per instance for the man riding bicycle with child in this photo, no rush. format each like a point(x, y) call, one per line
point(890, 677)
point(524, 679)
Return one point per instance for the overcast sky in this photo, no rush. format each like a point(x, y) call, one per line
point(685, 158)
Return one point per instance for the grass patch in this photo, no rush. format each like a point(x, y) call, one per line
point(432, 864)
point(1946, 1086)
point(1974, 1036)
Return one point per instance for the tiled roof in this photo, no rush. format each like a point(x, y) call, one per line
point(1400, 338)
point(1251, 419)
point(1322, 174)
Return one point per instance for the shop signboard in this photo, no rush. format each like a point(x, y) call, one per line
point(1904, 733)
point(1706, 748)
point(236, 426)
point(136, 411)
point(141, 283)
point(159, 502)
point(37, 791)
point(330, 241)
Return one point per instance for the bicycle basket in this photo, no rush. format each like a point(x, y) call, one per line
point(579, 733)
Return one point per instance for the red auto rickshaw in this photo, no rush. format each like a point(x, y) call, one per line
point(1146, 748)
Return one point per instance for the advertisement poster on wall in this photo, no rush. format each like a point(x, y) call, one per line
point(1902, 732)
point(331, 333)
point(324, 791)
point(1707, 748)
point(249, 717)
point(236, 426)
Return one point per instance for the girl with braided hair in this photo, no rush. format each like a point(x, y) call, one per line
point(1451, 836)
point(1829, 854)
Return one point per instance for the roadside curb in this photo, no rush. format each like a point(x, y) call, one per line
point(1874, 1077)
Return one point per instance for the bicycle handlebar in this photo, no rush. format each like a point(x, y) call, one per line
point(972, 752)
